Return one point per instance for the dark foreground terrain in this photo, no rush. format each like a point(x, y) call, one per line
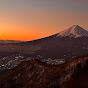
point(37, 74)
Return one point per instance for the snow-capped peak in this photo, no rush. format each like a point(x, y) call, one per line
point(74, 31)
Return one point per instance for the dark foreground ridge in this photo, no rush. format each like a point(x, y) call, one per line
point(36, 74)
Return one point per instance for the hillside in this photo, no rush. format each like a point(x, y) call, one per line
point(36, 74)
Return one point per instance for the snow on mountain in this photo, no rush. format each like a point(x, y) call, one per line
point(74, 31)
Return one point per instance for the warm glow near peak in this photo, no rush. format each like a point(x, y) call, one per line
point(34, 19)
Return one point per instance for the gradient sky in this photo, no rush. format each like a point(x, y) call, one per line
point(33, 19)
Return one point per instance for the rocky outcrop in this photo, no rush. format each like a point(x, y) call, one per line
point(36, 74)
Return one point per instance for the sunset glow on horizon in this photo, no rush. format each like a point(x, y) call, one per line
point(33, 19)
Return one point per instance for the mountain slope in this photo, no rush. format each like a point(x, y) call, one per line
point(35, 74)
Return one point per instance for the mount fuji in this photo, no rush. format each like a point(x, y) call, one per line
point(67, 44)
point(70, 43)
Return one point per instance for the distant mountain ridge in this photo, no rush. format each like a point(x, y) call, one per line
point(9, 41)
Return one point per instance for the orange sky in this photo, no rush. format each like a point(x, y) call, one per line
point(29, 20)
